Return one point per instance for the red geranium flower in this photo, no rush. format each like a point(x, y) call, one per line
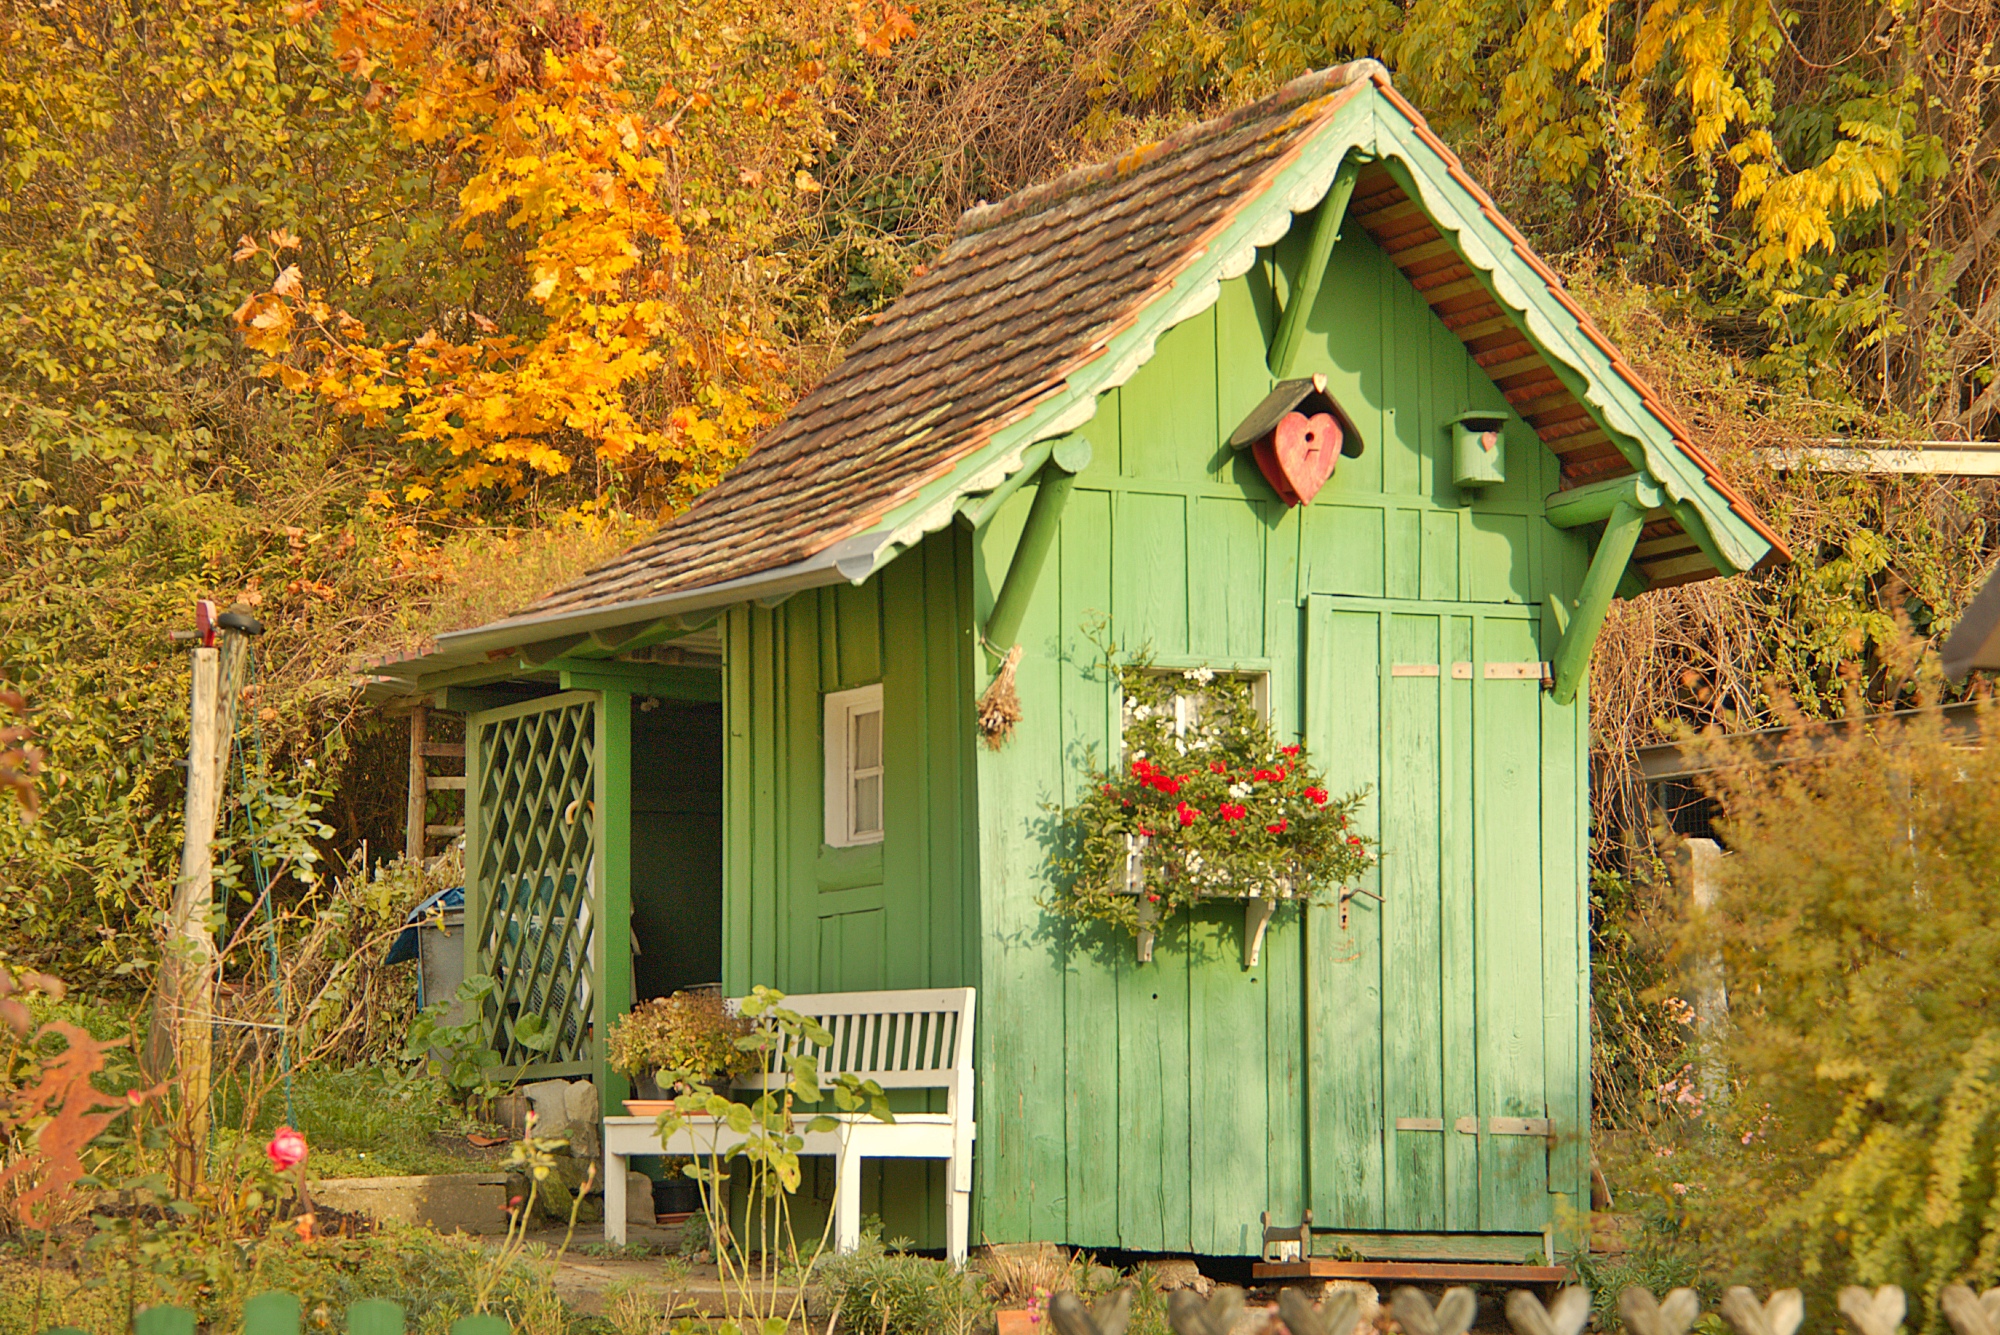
point(1317, 796)
point(1146, 832)
point(1354, 839)
point(1266, 775)
point(1187, 814)
point(1217, 767)
point(1279, 828)
point(1232, 811)
point(1289, 750)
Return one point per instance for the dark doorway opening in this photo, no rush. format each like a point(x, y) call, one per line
point(676, 845)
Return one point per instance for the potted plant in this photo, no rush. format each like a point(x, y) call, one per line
point(1208, 802)
point(688, 1038)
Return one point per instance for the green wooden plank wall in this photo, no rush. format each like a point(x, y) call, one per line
point(807, 918)
point(1163, 1106)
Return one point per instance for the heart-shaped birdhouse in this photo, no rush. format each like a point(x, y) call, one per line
point(1299, 455)
point(1298, 436)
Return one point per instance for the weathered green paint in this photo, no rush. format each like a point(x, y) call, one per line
point(1614, 550)
point(674, 683)
point(1594, 502)
point(1327, 218)
point(804, 917)
point(1207, 1091)
point(612, 960)
point(1031, 551)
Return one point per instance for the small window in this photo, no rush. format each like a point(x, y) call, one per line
point(854, 767)
point(1190, 702)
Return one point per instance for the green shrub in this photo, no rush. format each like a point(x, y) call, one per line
point(1860, 1140)
point(886, 1291)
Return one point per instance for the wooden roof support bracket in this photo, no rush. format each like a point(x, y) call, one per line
point(1071, 454)
point(1626, 516)
point(1327, 218)
point(1055, 482)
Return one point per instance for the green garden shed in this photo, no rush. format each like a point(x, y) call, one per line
point(746, 751)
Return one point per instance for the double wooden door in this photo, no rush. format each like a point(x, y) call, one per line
point(1446, 1057)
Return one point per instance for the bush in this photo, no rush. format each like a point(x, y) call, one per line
point(1860, 1142)
point(890, 1292)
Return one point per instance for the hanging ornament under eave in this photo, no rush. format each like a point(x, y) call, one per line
point(1298, 436)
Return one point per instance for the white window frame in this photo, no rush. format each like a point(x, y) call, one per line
point(842, 707)
point(1185, 702)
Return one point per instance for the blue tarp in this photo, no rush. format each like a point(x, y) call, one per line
point(404, 947)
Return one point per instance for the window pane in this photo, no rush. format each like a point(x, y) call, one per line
point(867, 809)
point(867, 740)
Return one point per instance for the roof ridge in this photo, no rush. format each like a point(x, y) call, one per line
point(1315, 83)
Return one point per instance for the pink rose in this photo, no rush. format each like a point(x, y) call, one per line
point(287, 1149)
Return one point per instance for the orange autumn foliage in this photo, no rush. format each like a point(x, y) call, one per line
point(627, 349)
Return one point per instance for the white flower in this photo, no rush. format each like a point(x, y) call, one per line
point(1200, 674)
point(1239, 791)
point(1142, 712)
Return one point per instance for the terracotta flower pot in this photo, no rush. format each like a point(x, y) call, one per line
point(1019, 1321)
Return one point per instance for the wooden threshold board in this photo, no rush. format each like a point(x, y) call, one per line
point(1478, 1272)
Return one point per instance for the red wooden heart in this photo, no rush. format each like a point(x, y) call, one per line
point(1300, 455)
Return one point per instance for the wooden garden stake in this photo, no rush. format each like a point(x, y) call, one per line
point(179, 1044)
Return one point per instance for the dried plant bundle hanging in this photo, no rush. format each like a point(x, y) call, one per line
point(999, 707)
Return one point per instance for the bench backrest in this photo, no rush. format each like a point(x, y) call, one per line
point(915, 1039)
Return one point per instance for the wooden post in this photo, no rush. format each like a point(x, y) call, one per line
point(414, 813)
point(1711, 992)
point(179, 1045)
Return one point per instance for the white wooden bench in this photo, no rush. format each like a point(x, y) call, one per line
point(917, 1039)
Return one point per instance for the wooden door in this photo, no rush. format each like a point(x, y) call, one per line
point(1425, 1008)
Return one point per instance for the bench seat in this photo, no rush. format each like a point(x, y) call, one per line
point(914, 1039)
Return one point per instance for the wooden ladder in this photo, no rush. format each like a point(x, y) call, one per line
point(418, 829)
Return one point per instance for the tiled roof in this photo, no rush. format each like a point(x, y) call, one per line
point(1033, 289)
point(1029, 290)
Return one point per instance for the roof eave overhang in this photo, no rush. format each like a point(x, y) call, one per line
point(850, 560)
point(1654, 446)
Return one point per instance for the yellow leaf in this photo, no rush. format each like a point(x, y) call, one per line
point(288, 283)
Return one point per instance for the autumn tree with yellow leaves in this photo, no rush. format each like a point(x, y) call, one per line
point(615, 336)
